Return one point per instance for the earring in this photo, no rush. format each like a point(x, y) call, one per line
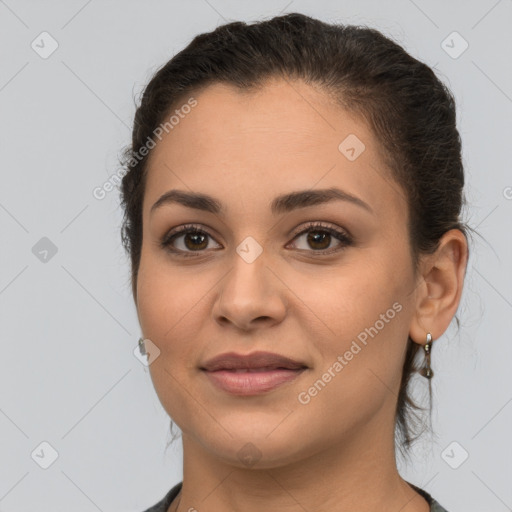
point(142, 347)
point(427, 371)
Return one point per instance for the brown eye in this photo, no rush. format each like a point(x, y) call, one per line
point(195, 241)
point(187, 239)
point(318, 238)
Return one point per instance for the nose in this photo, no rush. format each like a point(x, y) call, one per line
point(250, 296)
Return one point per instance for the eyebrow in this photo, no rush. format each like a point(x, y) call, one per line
point(281, 204)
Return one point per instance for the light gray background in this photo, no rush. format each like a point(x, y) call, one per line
point(68, 375)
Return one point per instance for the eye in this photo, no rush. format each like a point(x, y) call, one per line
point(320, 236)
point(193, 240)
point(189, 239)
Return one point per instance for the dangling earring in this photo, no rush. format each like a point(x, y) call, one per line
point(142, 347)
point(427, 371)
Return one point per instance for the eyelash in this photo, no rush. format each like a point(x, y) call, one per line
point(345, 239)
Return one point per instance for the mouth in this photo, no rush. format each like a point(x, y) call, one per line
point(263, 361)
point(253, 374)
point(253, 370)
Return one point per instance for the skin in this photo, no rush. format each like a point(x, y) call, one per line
point(336, 452)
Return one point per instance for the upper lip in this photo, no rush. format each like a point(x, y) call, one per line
point(267, 360)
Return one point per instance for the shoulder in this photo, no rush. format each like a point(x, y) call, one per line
point(166, 501)
point(434, 505)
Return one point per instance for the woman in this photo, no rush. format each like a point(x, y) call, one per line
point(292, 203)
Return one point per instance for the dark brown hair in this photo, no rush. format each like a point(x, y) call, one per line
point(408, 108)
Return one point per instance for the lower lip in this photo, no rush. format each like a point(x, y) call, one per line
point(251, 383)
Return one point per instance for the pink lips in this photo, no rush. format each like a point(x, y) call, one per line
point(251, 374)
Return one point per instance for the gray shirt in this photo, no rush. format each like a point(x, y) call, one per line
point(165, 503)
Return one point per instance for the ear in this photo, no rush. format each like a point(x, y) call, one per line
point(439, 287)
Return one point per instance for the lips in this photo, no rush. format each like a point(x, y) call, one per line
point(253, 374)
point(258, 361)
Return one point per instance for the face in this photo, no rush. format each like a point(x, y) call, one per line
point(324, 280)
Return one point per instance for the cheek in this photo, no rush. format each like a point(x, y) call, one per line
point(365, 315)
point(171, 309)
point(166, 314)
point(368, 323)
point(163, 297)
point(355, 296)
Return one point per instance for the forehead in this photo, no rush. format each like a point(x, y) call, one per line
point(282, 136)
point(280, 112)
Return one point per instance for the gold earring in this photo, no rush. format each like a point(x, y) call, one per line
point(427, 371)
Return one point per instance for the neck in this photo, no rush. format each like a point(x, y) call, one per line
point(355, 474)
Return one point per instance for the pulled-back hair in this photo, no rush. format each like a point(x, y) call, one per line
point(410, 111)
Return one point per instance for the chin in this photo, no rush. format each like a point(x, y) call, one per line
point(257, 441)
point(261, 453)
